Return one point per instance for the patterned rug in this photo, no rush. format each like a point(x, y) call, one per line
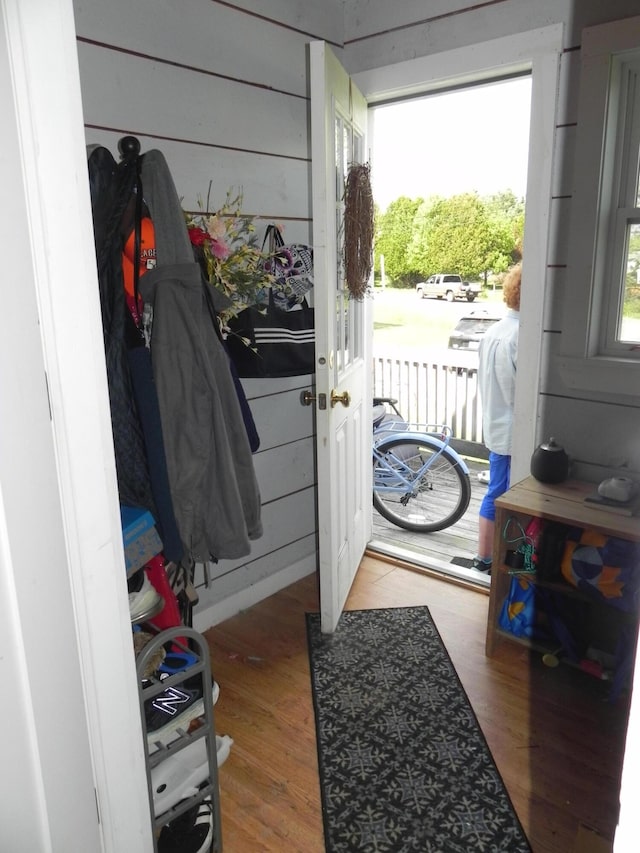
point(404, 765)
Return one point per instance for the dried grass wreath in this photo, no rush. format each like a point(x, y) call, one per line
point(358, 230)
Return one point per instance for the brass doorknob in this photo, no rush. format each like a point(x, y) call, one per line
point(343, 398)
point(307, 398)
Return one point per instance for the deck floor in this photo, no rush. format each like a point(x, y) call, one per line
point(434, 551)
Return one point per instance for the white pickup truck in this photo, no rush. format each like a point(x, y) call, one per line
point(447, 286)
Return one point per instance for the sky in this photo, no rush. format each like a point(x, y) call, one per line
point(472, 140)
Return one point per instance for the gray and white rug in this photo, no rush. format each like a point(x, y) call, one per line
point(404, 765)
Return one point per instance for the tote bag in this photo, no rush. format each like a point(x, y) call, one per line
point(291, 266)
point(281, 343)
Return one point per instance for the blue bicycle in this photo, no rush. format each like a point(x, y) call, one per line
point(420, 483)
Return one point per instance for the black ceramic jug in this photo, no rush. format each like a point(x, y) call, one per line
point(550, 463)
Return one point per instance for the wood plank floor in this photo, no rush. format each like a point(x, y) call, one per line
point(557, 741)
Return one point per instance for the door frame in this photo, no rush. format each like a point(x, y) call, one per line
point(537, 51)
point(68, 632)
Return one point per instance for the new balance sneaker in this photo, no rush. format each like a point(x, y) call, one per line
point(174, 709)
point(192, 832)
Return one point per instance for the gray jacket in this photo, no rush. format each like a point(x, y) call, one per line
point(213, 486)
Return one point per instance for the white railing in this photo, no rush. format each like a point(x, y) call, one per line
point(440, 387)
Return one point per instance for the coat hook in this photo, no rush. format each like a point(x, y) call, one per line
point(129, 147)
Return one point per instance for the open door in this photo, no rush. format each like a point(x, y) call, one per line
point(343, 339)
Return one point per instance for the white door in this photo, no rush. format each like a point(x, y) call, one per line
point(343, 339)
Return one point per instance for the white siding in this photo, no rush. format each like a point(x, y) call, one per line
point(221, 90)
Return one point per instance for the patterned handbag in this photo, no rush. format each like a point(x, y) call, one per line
point(292, 267)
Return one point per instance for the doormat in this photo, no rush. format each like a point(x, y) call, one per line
point(404, 765)
point(464, 562)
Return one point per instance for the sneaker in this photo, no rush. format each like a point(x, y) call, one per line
point(223, 748)
point(144, 600)
point(179, 776)
point(481, 565)
point(192, 832)
point(174, 709)
point(183, 773)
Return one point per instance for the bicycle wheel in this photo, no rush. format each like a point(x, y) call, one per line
point(419, 486)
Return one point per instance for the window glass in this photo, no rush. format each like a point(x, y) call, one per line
point(349, 344)
point(629, 326)
point(621, 294)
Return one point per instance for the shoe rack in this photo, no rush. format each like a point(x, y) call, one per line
point(196, 646)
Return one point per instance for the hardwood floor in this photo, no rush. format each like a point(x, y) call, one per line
point(557, 741)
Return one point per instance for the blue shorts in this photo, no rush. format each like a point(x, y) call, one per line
point(499, 474)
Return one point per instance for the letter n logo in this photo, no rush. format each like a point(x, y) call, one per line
point(171, 701)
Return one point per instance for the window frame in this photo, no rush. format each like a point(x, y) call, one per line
point(624, 210)
point(589, 358)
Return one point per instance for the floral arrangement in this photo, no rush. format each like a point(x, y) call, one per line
point(226, 246)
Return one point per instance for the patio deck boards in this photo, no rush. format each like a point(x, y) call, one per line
point(434, 551)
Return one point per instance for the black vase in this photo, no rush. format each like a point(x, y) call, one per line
point(550, 463)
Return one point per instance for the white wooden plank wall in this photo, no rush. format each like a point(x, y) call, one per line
point(599, 432)
point(222, 90)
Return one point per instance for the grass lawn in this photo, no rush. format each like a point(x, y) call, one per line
point(400, 318)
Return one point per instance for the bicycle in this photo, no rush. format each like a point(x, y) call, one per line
point(420, 482)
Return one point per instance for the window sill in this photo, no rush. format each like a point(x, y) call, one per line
point(619, 376)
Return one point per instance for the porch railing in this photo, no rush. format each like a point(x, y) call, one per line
point(441, 388)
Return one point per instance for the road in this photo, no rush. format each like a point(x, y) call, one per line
point(402, 319)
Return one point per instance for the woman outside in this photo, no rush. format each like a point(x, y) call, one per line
point(498, 357)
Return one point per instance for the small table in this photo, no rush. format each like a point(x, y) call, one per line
point(565, 503)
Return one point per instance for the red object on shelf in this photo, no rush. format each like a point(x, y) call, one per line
point(169, 616)
point(592, 667)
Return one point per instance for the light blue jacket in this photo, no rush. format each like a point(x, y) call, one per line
point(498, 354)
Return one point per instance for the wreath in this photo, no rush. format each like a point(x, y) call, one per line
point(358, 230)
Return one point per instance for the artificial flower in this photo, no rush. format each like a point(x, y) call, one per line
point(226, 245)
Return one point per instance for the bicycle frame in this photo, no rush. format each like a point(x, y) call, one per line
point(395, 476)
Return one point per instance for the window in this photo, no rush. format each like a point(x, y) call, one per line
point(600, 348)
point(621, 328)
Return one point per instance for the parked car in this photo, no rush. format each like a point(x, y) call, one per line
point(447, 286)
point(470, 329)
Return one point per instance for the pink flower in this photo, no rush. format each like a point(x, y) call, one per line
point(216, 228)
point(220, 249)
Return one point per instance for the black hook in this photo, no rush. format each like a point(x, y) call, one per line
point(129, 147)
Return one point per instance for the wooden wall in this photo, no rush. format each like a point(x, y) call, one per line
point(221, 89)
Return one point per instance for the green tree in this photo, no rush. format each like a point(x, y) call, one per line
point(506, 211)
point(394, 232)
point(418, 256)
point(457, 235)
point(504, 205)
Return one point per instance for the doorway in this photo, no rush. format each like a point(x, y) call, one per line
point(461, 145)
